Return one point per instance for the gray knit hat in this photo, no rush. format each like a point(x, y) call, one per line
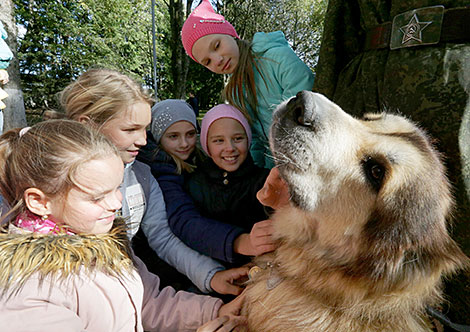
point(167, 112)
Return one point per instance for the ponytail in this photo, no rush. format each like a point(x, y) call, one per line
point(240, 91)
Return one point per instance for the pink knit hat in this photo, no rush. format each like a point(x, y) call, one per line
point(204, 21)
point(218, 112)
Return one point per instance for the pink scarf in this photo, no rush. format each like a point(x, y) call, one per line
point(33, 223)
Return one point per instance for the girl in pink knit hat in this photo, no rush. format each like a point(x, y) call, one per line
point(224, 186)
point(264, 72)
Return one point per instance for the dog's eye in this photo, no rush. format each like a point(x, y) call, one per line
point(374, 172)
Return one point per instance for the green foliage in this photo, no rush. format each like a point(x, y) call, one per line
point(65, 38)
point(300, 20)
point(163, 47)
point(206, 85)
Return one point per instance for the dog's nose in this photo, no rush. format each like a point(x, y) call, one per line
point(302, 107)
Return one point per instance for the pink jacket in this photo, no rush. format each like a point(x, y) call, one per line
point(99, 294)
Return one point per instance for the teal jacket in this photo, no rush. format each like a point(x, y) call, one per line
point(5, 52)
point(285, 75)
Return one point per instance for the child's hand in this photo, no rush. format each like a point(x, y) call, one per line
point(261, 237)
point(222, 324)
point(4, 78)
point(229, 317)
point(258, 242)
point(275, 192)
point(224, 282)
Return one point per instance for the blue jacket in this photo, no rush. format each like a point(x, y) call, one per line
point(285, 75)
point(5, 52)
point(208, 236)
point(143, 206)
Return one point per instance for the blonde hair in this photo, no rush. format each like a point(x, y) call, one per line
point(47, 157)
point(101, 95)
point(241, 85)
point(183, 165)
point(52, 114)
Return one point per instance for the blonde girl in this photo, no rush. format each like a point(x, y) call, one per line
point(65, 261)
point(264, 72)
point(118, 107)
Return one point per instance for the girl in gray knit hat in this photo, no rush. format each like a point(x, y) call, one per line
point(173, 127)
point(177, 159)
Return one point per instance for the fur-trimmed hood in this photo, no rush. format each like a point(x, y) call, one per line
point(59, 256)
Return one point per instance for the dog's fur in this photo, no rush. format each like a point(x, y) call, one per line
point(364, 244)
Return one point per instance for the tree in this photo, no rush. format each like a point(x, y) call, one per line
point(300, 20)
point(14, 112)
point(179, 61)
point(65, 38)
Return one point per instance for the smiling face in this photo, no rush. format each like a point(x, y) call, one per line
point(128, 130)
point(217, 52)
point(179, 139)
point(227, 144)
point(90, 206)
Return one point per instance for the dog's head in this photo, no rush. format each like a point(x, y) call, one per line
point(374, 189)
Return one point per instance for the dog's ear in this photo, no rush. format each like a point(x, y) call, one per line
point(407, 234)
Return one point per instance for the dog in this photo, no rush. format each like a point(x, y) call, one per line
point(363, 244)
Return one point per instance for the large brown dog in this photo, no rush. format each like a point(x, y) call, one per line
point(364, 244)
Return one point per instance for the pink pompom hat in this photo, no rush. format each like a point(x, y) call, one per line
point(201, 22)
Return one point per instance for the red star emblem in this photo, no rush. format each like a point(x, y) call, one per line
point(412, 31)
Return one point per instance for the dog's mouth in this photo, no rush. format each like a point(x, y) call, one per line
point(306, 139)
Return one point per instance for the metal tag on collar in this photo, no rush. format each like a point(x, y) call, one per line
point(274, 279)
point(417, 27)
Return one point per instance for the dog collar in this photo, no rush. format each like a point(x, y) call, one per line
point(274, 278)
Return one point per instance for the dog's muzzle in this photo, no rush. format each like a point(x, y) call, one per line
point(296, 115)
point(302, 108)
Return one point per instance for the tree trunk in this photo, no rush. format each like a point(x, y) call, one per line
point(179, 60)
point(14, 113)
point(185, 67)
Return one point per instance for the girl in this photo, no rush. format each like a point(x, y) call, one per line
point(66, 263)
point(173, 130)
point(119, 108)
point(264, 72)
point(224, 186)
